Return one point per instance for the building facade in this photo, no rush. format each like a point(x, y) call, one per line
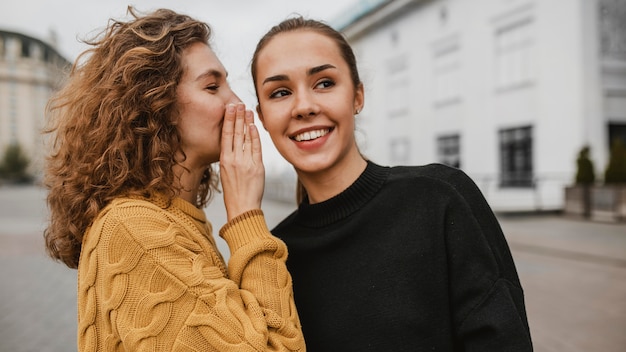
point(507, 90)
point(30, 71)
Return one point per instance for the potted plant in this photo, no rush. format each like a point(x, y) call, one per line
point(609, 200)
point(578, 196)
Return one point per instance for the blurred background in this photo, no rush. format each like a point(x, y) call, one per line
point(528, 97)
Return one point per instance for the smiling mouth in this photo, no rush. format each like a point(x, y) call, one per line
point(311, 135)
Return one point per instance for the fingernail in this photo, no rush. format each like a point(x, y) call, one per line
point(240, 106)
point(230, 108)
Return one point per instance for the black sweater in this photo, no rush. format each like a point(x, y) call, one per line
point(405, 259)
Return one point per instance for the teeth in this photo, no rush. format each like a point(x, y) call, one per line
point(311, 135)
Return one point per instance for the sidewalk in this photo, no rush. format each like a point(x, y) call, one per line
point(573, 273)
point(561, 236)
point(574, 277)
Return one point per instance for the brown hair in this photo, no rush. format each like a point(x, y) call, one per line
point(113, 125)
point(301, 24)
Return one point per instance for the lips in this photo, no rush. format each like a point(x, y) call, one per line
point(311, 135)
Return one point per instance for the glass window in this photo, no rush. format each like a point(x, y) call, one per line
point(612, 28)
point(447, 75)
point(449, 150)
point(516, 157)
point(25, 48)
point(398, 86)
point(400, 150)
point(616, 131)
point(513, 46)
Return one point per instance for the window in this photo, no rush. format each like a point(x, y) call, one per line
point(397, 92)
point(447, 74)
point(11, 48)
point(400, 150)
point(516, 157)
point(513, 46)
point(617, 131)
point(612, 28)
point(25, 47)
point(449, 150)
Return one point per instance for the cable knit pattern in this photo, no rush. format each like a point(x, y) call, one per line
point(151, 279)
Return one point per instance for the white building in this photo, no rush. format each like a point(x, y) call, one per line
point(30, 71)
point(507, 90)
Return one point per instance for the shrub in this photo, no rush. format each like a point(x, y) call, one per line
point(585, 174)
point(616, 169)
point(13, 165)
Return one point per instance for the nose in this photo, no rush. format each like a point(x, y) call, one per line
point(229, 96)
point(304, 105)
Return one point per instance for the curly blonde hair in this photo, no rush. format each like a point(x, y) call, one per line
point(113, 124)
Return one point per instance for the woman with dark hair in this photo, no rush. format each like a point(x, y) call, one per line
point(145, 113)
point(382, 258)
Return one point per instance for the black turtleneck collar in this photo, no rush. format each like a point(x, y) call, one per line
point(345, 203)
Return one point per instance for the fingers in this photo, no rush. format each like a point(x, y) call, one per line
point(248, 120)
point(239, 137)
point(239, 134)
point(254, 141)
point(228, 130)
point(241, 167)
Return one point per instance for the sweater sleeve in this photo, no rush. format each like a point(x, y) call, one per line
point(257, 265)
point(158, 290)
point(488, 300)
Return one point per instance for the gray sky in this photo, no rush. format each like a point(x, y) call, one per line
point(237, 25)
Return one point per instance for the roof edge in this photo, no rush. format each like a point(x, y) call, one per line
point(377, 12)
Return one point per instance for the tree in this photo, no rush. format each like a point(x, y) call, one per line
point(585, 174)
point(616, 169)
point(14, 164)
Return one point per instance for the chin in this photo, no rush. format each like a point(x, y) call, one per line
point(312, 167)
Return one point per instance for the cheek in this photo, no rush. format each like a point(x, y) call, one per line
point(271, 129)
point(209, 112)
point(271, 118)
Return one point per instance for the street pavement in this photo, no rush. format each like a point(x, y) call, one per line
point(573, 273)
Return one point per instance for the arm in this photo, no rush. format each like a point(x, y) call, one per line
point(258, 266)
point(488, 300)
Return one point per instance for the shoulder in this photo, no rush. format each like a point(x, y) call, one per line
point(436, 182)
point(136, 220)
point(434, 174)
point(130, 210)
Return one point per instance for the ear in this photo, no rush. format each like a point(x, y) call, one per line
point(359, 98)
point(260, 114)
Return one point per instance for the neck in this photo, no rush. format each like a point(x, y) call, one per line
point(325, 184)
point(189, 182)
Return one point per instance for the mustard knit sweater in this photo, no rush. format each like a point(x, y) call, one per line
point(150, 278)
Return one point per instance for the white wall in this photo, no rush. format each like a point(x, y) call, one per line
point(562, 99)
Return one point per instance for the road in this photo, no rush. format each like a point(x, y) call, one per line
point(573, 273)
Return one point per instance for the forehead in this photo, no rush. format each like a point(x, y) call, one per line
point(300, 46)
point(199, 58)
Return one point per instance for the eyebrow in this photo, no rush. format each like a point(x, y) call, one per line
point(310, 72)
point(210, 73)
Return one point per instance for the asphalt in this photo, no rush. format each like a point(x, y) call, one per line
point(573, 272)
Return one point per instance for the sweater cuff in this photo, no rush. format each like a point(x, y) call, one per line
point(245, 228)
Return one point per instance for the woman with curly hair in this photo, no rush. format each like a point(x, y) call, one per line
point(145, 112)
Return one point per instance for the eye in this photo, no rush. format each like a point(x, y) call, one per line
point(212, 87)
point(326, 83)
point(279, 93)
